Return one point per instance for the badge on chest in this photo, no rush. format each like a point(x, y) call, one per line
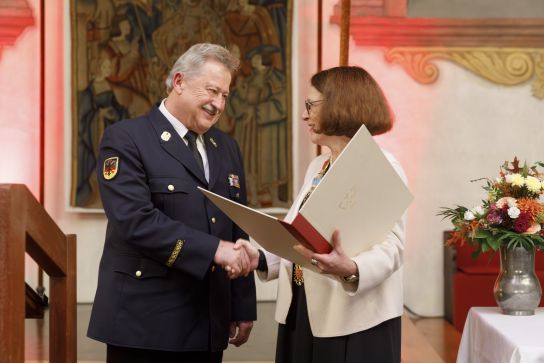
point(234, 181)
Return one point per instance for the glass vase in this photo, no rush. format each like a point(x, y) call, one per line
point(517, 289)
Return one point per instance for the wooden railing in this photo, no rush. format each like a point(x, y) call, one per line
point(25, 226)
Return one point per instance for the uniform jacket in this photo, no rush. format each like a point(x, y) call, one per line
point(337, 308)
point(158, 287)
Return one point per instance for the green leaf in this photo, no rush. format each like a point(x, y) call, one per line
point(529, 242)
point(452, 214)
point(538, 239)
point(482, 234)
point(512, 244)
point(502, 237)
point(493, 242)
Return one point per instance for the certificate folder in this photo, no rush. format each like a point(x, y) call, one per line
point(361, 195)
point(275, 235)
point(307, 235)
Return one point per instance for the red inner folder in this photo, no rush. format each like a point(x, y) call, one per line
point(307, 235)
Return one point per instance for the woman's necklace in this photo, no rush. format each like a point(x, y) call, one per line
point(298, 276)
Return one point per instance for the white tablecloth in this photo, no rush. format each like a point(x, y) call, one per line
point(489, 336)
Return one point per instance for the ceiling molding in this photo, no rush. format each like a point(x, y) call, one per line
point(15, 17)
point(503, 66)
point(504, 51)
point(414, 32)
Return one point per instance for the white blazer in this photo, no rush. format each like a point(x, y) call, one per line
point(337, 308)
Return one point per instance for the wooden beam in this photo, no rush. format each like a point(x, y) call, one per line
point(26, 226)
point(12, 276)
point(62, 311)
point(344, 32)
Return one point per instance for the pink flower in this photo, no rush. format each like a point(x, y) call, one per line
point(535, 228)
point(509, 201)
point(495, 216)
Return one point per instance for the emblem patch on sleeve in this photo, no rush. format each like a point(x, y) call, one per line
point(111, 166)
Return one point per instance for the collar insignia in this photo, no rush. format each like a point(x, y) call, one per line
point(165, 136)
point(213, 142)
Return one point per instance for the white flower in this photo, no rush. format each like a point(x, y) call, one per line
point(479, 210)
point(469, 216)
point(513, 212)
point(509, 201)
point(533, 184)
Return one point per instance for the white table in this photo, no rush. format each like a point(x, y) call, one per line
point(491, 337)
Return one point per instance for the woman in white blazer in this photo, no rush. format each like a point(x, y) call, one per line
point(354, 317)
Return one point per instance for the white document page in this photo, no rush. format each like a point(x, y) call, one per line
point(361, 195)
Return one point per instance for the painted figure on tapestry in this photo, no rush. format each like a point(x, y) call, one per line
point(123, 49)
point(98, 108)
point(258, 106)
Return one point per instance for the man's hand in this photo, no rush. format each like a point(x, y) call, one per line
point(252, 252)
point(235, 262)
point(239, 332)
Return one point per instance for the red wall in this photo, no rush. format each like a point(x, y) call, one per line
point(20, 96)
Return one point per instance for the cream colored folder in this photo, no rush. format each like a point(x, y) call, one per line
point(361, 195)
point(266, 230)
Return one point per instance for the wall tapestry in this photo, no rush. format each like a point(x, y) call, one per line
point(122, 51)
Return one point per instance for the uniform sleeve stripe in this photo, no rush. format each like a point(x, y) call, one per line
point(175, 253)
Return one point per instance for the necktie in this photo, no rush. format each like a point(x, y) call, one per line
point(191, 136)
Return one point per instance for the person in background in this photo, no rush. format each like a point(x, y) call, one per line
point(356, 315)
point(163, 294)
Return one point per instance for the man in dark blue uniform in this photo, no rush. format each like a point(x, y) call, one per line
point(171, 287)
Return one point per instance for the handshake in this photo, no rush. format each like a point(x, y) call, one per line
point(238, 259)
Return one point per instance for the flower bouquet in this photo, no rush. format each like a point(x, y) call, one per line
point(512, 215)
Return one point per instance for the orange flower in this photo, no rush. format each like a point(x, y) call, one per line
point(456, 238)
point(530, 206)
point(460, 237)
point(473, 226)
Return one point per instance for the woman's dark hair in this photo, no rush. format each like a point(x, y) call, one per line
point(351, 98)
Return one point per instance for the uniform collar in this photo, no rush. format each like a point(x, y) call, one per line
point(180, 128)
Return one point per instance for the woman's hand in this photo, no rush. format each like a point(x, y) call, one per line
point(335, 262)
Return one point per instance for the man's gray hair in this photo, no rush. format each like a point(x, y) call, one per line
point(190, 62)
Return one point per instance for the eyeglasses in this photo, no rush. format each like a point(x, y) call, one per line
point(309, 104)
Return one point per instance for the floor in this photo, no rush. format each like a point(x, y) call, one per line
point(423, 340)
